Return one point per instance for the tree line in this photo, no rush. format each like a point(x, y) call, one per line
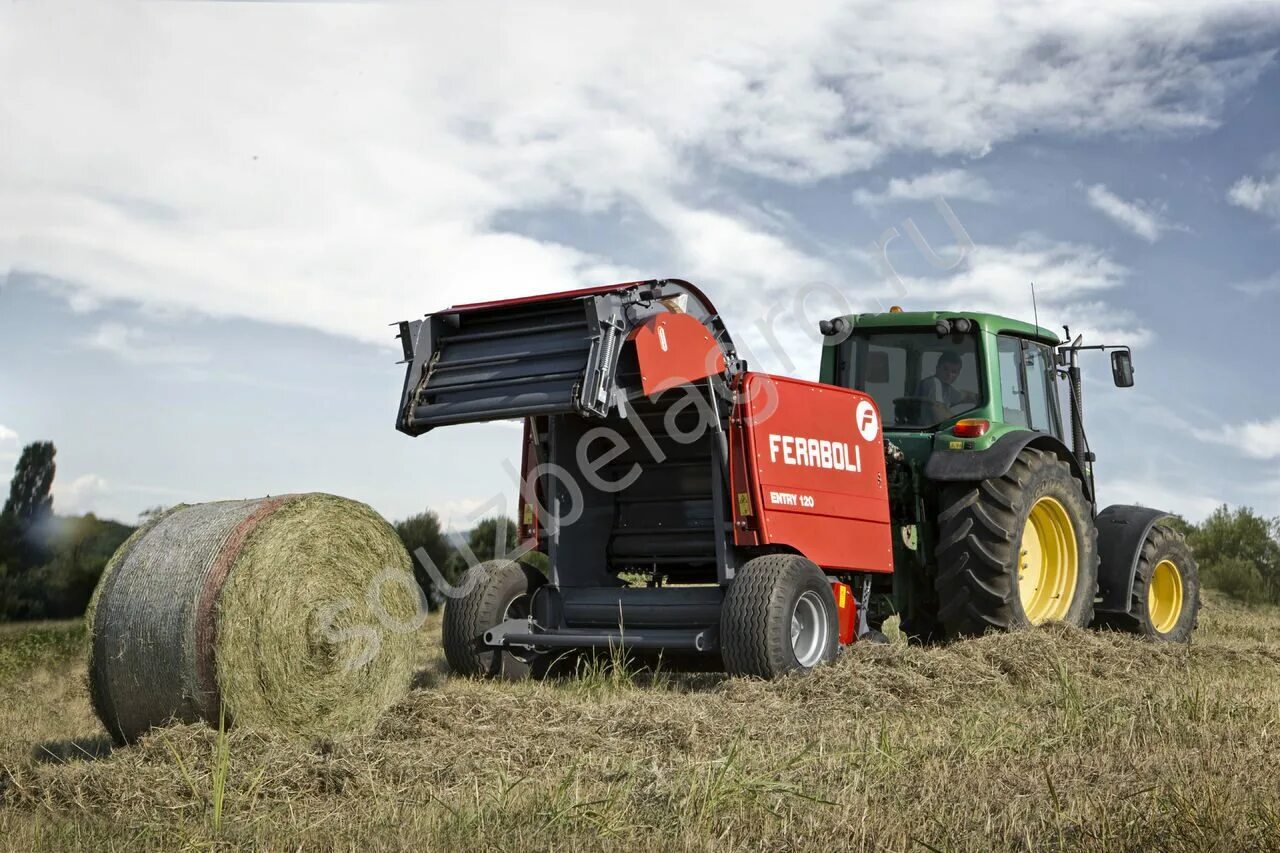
point(1238, 552)
point(50, 564)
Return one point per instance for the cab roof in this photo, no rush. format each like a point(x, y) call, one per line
point(993, 323)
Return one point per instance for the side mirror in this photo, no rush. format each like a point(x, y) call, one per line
point(1122, 368)
point(877, 367)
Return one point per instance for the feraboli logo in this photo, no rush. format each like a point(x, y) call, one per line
point(867, 419)
point(814, 453)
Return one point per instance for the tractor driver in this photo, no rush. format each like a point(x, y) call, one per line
point(940, 388)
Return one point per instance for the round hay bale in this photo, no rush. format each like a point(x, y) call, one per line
point(296, 614)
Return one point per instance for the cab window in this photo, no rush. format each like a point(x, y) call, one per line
point(918, 380)
point(1011, 391)
point(1037, 363)
point(1027, 385)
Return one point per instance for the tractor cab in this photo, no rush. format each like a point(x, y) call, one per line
point(945, 381)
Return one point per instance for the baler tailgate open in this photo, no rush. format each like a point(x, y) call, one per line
point(490, 363)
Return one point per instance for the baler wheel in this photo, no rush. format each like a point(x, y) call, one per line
point(1017, 550)
point(500, 590)
point(1166, 590)
point(779, 616)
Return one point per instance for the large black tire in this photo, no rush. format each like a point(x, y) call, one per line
point(981, 528)
point(500, 589)
point(1163, 544)
point(756, 617)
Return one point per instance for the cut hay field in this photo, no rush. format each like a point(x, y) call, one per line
point(1048, 739)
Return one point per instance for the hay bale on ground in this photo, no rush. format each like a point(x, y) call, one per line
point(294, 613)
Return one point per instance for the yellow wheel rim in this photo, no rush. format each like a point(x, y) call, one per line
point(1164, 596)
point(1049, 563)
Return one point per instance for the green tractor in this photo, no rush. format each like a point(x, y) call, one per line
point(991, 489)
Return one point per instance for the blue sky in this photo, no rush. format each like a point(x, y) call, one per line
point(210, 212)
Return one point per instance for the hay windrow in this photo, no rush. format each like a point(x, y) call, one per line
point(1046, 739)
point(294, 613)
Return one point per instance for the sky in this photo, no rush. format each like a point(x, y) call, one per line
point(210, 213)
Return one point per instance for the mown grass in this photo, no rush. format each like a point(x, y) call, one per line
point(26, 646)
point(1050, 739)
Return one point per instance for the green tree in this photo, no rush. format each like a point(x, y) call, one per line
point(422, 531)
point(60, 588)
point(82, 547)
point(26, 511)
point(13, 602)
point(31, 490)
point(1181, 525)
point(491, 535)
point(483, 542)
point(1239, 552)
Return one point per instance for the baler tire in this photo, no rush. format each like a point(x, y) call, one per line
point(981, 531)
point(497, 585)
point(755, 619)
point(1163, 544)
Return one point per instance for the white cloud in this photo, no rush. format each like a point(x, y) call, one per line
point(340, 166)
point(1071, 281)
point(136, 346)
point(943, 183)
point(81, 495)
point(1260, 286)
point(1254, 439)
point(458, 515)
point(7, 435)
point(776, 327)
point(719, 246)
point(1260, 195)
point(1136, 216)
point(1180, 497)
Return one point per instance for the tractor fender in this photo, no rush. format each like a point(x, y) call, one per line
point(969, 466)
point(1122, 531)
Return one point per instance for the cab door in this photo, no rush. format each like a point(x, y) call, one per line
point(1028, 384)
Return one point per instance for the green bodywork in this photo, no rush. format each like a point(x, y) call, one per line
point(914, 499)
point(918, 445)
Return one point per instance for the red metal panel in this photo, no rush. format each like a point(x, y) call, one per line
point(673, 350)
point(545, 297)
point(588, 291)
point(811, 459)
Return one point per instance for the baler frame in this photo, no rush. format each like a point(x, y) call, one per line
point(650, 366)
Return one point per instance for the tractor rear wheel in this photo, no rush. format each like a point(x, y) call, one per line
point(1017, 550)
point(778, 616)
point(1166, 590)
point(495, 591)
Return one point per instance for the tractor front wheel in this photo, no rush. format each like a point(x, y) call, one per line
point(1017, 550)
point(778, 616)
point(493, 592)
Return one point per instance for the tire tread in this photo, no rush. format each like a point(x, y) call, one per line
point(978, 542)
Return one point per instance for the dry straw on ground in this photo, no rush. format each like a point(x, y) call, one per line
point(1048, 739)
point(294, 614)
